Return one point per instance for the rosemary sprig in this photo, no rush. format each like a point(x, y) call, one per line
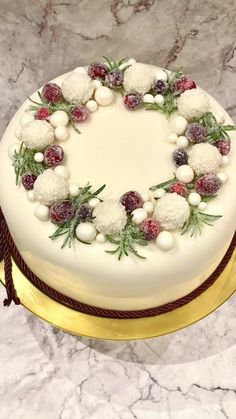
point(126, 241)
point(197, 220)
point(215, 131)
point(23, 162)
point(164, 185)
point(113, 65)
point(85, 194)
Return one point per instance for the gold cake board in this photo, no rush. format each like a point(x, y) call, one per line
point(78, 323)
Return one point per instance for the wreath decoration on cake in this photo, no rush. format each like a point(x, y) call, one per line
point(135, 219)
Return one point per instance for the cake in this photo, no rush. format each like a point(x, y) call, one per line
point(117, 184)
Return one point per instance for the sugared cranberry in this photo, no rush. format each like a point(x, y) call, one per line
point(52, 93)
point(43, 113)
point(131, 200)
point(150, 228)
point(132, 101)
point(97, 71)
point(115, 78)
point(223, 146)
point(180, 157)
point(179, 188)
point(79, 113)
point(84, 213)
point(53, 155)
point(61, 212)
point(28, 180)
point(196, 132)
point(207, 185)
point(160, 87)
point(185, 83)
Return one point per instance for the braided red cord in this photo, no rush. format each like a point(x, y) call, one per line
point(101, 312)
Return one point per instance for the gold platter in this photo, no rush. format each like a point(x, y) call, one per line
point(78, 323)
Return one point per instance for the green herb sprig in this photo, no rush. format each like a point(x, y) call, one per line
point(23, 162)
point(113, 65)
point(197, 220)
point(215, 130)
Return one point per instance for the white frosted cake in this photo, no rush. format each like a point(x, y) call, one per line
point(165, 151)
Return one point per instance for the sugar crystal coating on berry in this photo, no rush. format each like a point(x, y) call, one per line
point(179, 188)
point(53, 155)
point(28, 180)
point(79, 113)
point(184, 83)
point(150, 228)
point(131, 200)
point(196, 132)
point(43, 113)
point(62, 212)
point(160, 87)
point(97, 71)
point(132, 101)
point(115, 78)
point(223, 146)
point(208, 185)
point(52, 93)
point(180, 157)
point(84, 213)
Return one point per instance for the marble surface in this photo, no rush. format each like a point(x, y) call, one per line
point(46, 373)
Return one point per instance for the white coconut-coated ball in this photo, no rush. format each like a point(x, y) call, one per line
point(77, 88)
point(182, 142)
point(159, 99)
point(62, 171)
point(193, 103)
point(165, 240)
point(100, 238)
point(59, 118)
point(179, 125)
point(148, 98)
point(161, 75)
point(172, 138)
point(93, 202)
point(31, 196)
point(39, 157)
point(49, 188)
point(25, 118)
point(204, 158)
point(138, 78)
point(86, 232)
point(37, 134)
point(139, 215)
point(222, 176)
point(149, 207)
point(104, 96)
point(92, 105)
point(42, 212)
point(61, 133)
point(110, 216)
point(12, 149)
point(184, 173)
point(194, 198)
point(172, 211)
point(159, 193)
point(73, 189)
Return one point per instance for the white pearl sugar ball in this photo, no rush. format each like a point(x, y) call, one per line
point(149, 207)
point(59, 118)
point(86, 232)
point(184, 173)
point(161, 75)
point(148, 98)
point(220, 117)
point(145, 197)
point(62, 171)
point(139, 215)
point(172, 138)
point(182, 142)
point(202, 206)
point(222, 176)
point(104, 96)
point(39, 157)
point(165, 240)
point(100, 238)
point(18, 133)
point(31, 196)
point(81, 70)
point(61, 133)
point(91, 105)
point(159, 99)
point(131, 61)
point(179, 125)
point(97, 83)
point(224, 160)
point(159, 193)
point(12, 149)
point(93, 202)
point(26, 117)
point(194, 198)
point(73, 189)
point(42, 212)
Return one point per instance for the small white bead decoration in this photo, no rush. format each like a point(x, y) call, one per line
point(81, 70)
point(42, 212)
point(18, 133)
point(145, 197)
point(202, 206)
point(220, 117)
point(100, 238)
point(179, 125)
point(123, 65)
point(62, 171)
point(159, 193)
point(12, 149)
point(93, 202)
point(91, 105)
point(39, 157)
point(73, 189)
point(104, 96)
point(86, 232)
point(30, 196)
point(182, 142)
point(149, 207)
point(131, 61)
point(61, 133)
point(222, 176)
point(194, 198)
point(26, 117)
point(184, 173)
point(97, 83)
point(172, 138)
point(224, 161)
point(148, 98)
point(59, 118)
point(161, 75)
point(159, 99)
point(165, 240)
point(139, 215)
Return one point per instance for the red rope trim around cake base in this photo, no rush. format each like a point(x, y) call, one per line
point(7, 242)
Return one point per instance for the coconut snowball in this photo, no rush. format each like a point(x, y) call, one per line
point(49, 188)
point(110, 217)
point(77, 88)
point(204, 158)
point(138, 78)
point(172, 211)
point(37, 134)
point(193, 103)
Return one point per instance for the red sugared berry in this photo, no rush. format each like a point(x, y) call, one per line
point(61, 212)
point(132, 101)
point(160, 87)
point(28, 180)
point(196, 132)
point(185, 83)
point(52, 93)
point(115, 78)
point(131, 200)
point(43, 113)
point(79, 113)
point(223, 146)
point(180, 157)
point(207, 185)
point(84, 213)
point(97, 71)
point(53, 155)
point(179, 188)
point(150, 228)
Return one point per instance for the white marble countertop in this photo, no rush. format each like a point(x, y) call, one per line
point(48, 374)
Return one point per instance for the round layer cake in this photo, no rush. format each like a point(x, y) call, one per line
point(117, 184)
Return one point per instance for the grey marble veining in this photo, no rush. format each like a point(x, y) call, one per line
point(45, 373)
